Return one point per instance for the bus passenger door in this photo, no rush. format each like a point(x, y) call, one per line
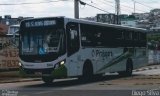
point(73, 45)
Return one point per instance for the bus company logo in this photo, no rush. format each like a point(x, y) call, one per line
point(102, 53)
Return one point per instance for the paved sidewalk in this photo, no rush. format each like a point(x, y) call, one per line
point(150, 67)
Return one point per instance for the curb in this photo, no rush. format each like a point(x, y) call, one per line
point(147, 68)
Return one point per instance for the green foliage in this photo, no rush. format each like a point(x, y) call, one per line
point(153, 38)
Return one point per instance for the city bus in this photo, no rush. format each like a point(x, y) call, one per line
point(60, 47)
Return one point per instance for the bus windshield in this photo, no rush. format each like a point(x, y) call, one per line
point(41, 42)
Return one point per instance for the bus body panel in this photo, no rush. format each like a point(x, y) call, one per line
point(43, 65)
point(140, 58)
point(100, 57)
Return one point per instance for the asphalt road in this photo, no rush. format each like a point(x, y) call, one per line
point(143, 81)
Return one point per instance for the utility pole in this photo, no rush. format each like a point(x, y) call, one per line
point(117, 10)
point(76, 9)
point(134, 6)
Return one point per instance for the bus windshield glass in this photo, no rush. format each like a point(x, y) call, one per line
point(41, 42)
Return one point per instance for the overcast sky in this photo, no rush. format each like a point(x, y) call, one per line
point(66, 8)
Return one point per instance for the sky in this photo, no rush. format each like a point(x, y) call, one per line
point(46, 8)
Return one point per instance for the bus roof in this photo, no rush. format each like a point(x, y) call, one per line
point(107, 25)
point(90, 22)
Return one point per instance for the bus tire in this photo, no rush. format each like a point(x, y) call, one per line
point(87, 74)
point(47, 79)
point(129, 68)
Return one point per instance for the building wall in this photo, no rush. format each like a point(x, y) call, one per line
point(3, 29)
point(8, 53)
point(131, 23)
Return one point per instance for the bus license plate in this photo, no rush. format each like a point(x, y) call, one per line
point(38, 73)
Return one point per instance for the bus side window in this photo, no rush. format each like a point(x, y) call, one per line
point(142, 40)
point(73, 38)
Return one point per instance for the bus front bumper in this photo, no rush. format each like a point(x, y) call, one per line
point(60, 72)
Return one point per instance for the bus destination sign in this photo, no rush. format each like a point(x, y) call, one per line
point(40, 23)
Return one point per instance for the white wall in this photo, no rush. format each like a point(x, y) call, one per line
point(131, 23)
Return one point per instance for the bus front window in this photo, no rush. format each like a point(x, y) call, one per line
point(41, 42)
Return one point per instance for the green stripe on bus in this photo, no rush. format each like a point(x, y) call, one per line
point(116, 60)
point(60, 72)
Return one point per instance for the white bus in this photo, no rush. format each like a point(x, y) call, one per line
point(59, 47)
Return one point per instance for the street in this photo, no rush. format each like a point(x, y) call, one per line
point(110, 85)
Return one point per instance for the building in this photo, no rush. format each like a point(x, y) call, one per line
point(8, 21)
point(90, 18)
point(141, 16)
point(107, 18)
point(129, 22)
point(3, 29)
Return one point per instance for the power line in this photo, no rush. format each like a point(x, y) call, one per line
point(108, 1)
point(152, 1)
point(84, 3)
point(125, 6)
point(98, 4)
point(144, 4)
point(107, 4)
point(111, 5)
point(30, 3)
point(132, 8)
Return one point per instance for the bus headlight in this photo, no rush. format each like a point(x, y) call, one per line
point(62, 63)
point(20, 64)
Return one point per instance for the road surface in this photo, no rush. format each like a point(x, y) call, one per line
point(145, 82)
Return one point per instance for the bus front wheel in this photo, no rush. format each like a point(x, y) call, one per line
point(87, 73)
point(47, 79)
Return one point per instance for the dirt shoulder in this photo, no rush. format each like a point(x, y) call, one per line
point(13, 76)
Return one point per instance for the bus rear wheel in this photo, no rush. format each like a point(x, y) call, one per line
point(129, 68)
point(47, 79)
